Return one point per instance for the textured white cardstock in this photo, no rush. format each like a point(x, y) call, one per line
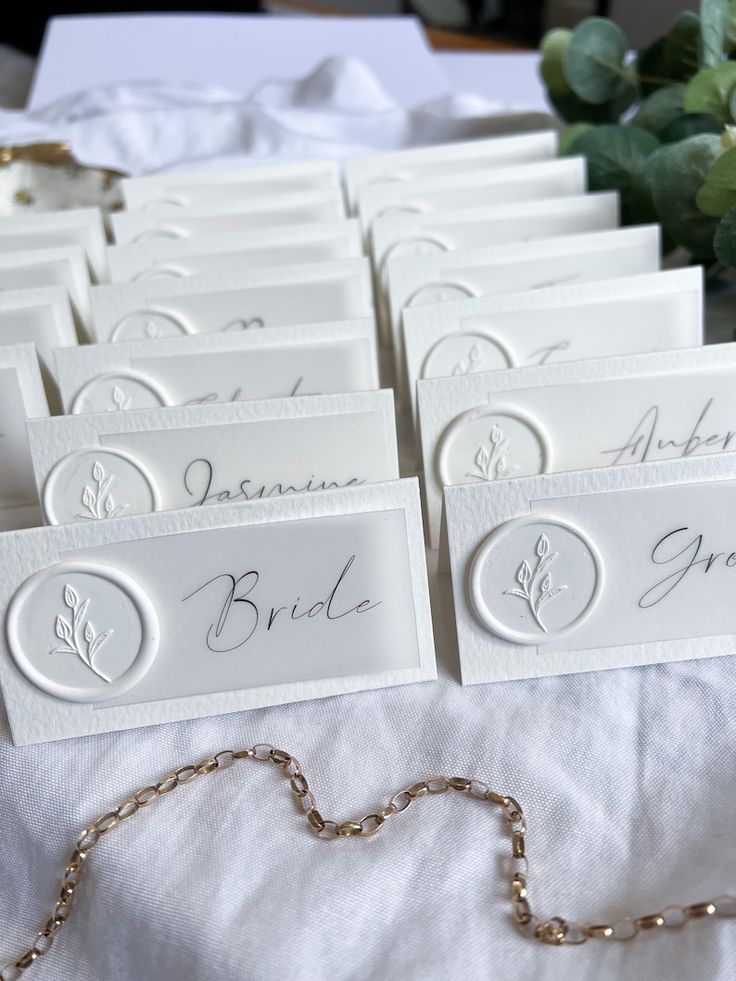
point(40, 316)
point(444, 277)
point(104, 465)
point(21, 397)
point(233, 301)
point(316, 359)
point(474, 228)
point(116, 624)
point(651, 312)
point(64, 265)
point(633, 409)
point(564, 177)
point(221, 218)
point(289, 246)
point(448, 158)
point(596, 569)
point(43, 230)
point(256, 180)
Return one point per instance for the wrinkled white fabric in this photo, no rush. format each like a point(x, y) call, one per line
point(626, 776)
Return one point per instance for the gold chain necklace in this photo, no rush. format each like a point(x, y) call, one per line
point(555, 931)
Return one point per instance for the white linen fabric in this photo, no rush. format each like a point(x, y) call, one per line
point(626, 777)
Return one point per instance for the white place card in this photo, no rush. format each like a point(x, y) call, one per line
point(21, 397)
point(315, 359)
point(112, 464)
point(418, 163)
point(256, 180)
point(117, 624)
point(40, 316)
point(504, 224)
point(289, 246)
point(564, 177)
point(43, 230)
point(523, 421)
point(60, 266)
point(233, 301)
point(592, 570)
point(248, 215)
point(448, 276)
point(651, 312)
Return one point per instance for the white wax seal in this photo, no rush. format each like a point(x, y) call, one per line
point(116, 391)
point(149, 325)
point(94, 484)
point(535, 579)
point(409, 246)
point(465, 353)
point(491, 442)
point(439, 293)
point(82, 631)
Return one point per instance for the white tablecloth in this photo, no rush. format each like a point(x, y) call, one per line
point(626, 777)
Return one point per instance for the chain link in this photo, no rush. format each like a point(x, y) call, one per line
point(555, 931)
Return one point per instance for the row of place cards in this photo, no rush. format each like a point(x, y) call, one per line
point(204, 465)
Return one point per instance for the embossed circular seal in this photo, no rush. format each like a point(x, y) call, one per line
point(148, 325)
point(535, 579)
point(439, 293)
point(465, 353)
point(490, 442)
point(94, 484)
point(409, 246)
point(82, 631)
point(115, 391)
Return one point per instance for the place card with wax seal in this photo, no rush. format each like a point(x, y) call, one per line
point(418, 163)
point(234, 300)
point(651, 312)
point(63, 265)
point(22, 397)
point(502, 224)
point(48, 229)
point(316, 359)
point(256, 180)
point(221, 218)
point(564, 177)
point(485, 427)
point(420, 280)
point(591, 570)
point(104, 465)
point(155, 618)
point(288, 246)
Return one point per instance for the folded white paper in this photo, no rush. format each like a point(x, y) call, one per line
point(654, 312)
point(43, 230)
point(40, 316)
point(60, 266)
point(186, 189)
point(257, 364)
point(21, 397)
point(104, 465)
point(450, 158)
point(233, 301)
point(148, 619)
point(524, 182)
point(595, 569)
point(447, 276)
point(247, 215)
point(289, 246)
point(633, 409)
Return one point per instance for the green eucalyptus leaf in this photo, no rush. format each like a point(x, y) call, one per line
point(710, 89)
point(554, 45)
point(682, 47)
point(569, 137)
point(678, 173)
point(660, 108)
point(724, 241)
point(616, 155)
point(732, 104)
point(594, 60)
point(689, 124)
point(640, 206)
point(731, 25)
point(574, 110)
point(718, 193)
point(713, 24)
point(652, 68)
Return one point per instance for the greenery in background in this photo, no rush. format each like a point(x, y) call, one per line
point(659, 126)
